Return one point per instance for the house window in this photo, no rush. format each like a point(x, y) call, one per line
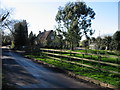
point(52, 37)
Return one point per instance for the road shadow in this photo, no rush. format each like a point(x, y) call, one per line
point(16, 75)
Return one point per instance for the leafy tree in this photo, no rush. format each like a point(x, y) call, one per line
point(7, 23)
point(74, 21)
point(99, 42)
point(21, 34)
point(92, 40)
point(59, 38)
point(85, 43)
point(116, 38)
point(107, 41)
point(32, 38)
point(6, 39)
point(113, 45)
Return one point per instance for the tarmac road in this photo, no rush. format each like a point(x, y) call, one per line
point(24, 73)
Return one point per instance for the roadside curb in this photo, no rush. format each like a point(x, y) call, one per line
point(71, 74)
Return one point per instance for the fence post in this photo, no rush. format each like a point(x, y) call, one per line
point(83, 55)
point(39, 52)
point(82, 59)
point(118, 60)
point(70, 55)
point(99, 59)
point(91, 55)
point(61, 55)
point(53, 55)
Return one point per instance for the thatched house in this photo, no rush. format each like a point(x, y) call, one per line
point(45, 39)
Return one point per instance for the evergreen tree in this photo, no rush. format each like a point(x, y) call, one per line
point(20, 34)
point(32, 38)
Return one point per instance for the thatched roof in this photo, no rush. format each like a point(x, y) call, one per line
point(44, 35)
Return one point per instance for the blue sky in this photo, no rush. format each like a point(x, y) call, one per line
point(41, 14)
point(106, 19)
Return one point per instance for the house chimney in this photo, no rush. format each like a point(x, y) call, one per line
point(39, 32)
point(44, 30)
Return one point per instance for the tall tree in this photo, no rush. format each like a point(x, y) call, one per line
point(21, 34)
point(92, 40)
point(116, 38)
point(107, 40)
point(6, 22)
point(74, 21)
point(32, 38)
point(99, 42)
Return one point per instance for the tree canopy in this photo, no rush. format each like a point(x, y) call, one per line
point(74, 21)
point(116, 39)
point(6, 21)
point(31, 38)
point(21, 34)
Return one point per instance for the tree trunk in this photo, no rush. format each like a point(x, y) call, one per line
point(72, 46)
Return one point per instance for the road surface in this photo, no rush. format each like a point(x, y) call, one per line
point(24, 73)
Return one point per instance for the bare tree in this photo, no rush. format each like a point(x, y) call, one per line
point(6, 22)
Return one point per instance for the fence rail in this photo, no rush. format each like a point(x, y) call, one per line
point(83, 65)
point(79, 52)
point(51, 53)
point(83, 59)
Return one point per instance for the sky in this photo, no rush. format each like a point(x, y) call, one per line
point(40, 14)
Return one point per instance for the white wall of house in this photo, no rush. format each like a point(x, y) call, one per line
point(93, 46)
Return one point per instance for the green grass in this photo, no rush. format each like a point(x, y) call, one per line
point(93, 57)
point(103, 52)
point(87, 56)
point(107, 67)
point(94, 64)
point(106, 77)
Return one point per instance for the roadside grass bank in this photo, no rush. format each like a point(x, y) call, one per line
point(115, 68)
point(104, 58)
point(91, 51)
point(97, 74)
point(102, 52)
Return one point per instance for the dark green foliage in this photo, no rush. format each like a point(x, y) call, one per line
point(106, 41)
point(85, 43)
point(74, 21)
point(99, 42)
point(21, 34)
point(6, 40)
point(31, 38)
point(116, 38)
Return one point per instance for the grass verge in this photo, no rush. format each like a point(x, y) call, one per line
point(106, 77)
